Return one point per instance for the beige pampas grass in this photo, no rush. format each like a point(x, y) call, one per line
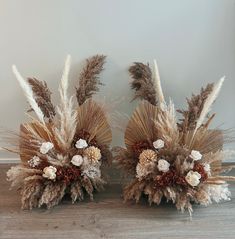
point(158, 86)
point(67, 114)
point(208, 103)
point(29, 94)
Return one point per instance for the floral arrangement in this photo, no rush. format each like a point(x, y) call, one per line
point(63, 150)
point(180, 161)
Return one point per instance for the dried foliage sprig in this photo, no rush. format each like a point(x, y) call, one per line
point(42, 95)
point(179, 161)
point(89, 78)
point(64, 155)
point(143, 83)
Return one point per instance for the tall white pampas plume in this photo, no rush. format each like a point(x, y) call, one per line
point(65, 111)
point(208, 103)
point(157, 83)
point(29, 94)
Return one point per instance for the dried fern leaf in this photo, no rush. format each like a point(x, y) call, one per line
point(92, 118)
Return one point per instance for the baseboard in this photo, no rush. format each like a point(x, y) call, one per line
point(9, 160)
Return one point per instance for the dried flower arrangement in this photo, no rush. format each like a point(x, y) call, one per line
point(180, 161)
point(63, 150)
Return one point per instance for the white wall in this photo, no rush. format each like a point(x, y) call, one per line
point(193, 41)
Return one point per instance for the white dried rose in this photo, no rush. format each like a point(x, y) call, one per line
point(81, 144)
point(163, 165)
point(193, 178)
point(195, 155)
point(77, 160)
point(158, 144)
point(49, 172)
point(45, 147)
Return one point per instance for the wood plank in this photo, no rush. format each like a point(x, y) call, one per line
point(109, 217)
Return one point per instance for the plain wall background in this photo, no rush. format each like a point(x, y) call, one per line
point(192, 40)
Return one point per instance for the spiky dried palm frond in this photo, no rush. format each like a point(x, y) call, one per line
point(89, 78)
point(92, 119)
point(141, 125)
point(42, 95)
point(143, 83)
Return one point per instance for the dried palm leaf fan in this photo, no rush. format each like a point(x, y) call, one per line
point(62, 151)
point(177, 160)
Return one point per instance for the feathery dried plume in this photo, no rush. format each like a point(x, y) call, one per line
point(143, 83)
point(157, 81)
point(42, 95)
point(68, 117)
point(29, 94)
point(195, 105)
point(89, 78)
point(208, 103)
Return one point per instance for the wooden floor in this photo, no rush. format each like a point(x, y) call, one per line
point(108, 217)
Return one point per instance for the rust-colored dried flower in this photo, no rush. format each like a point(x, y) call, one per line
point(93, 153)
point(140, 146)
point(147, 156)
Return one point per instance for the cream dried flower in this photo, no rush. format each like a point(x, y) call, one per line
point(92, 153)
point(158, 144)
point(81, 144)
point(77, 160)
point(195, 155)
point(193, 178)
point(49, 172)
point(163, 165)
point(142, 170)
point(147, 155)
point(46, 147)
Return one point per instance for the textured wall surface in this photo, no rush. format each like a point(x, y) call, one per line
point(192, 40)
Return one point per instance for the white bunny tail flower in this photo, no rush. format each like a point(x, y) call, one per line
point(49, 172)
point(195, 155)
point(46, 147)
point(81, 144)
point(158, 144)
point(77, 160)
point(163, 165)
point(193, 178)
point(35, 161)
